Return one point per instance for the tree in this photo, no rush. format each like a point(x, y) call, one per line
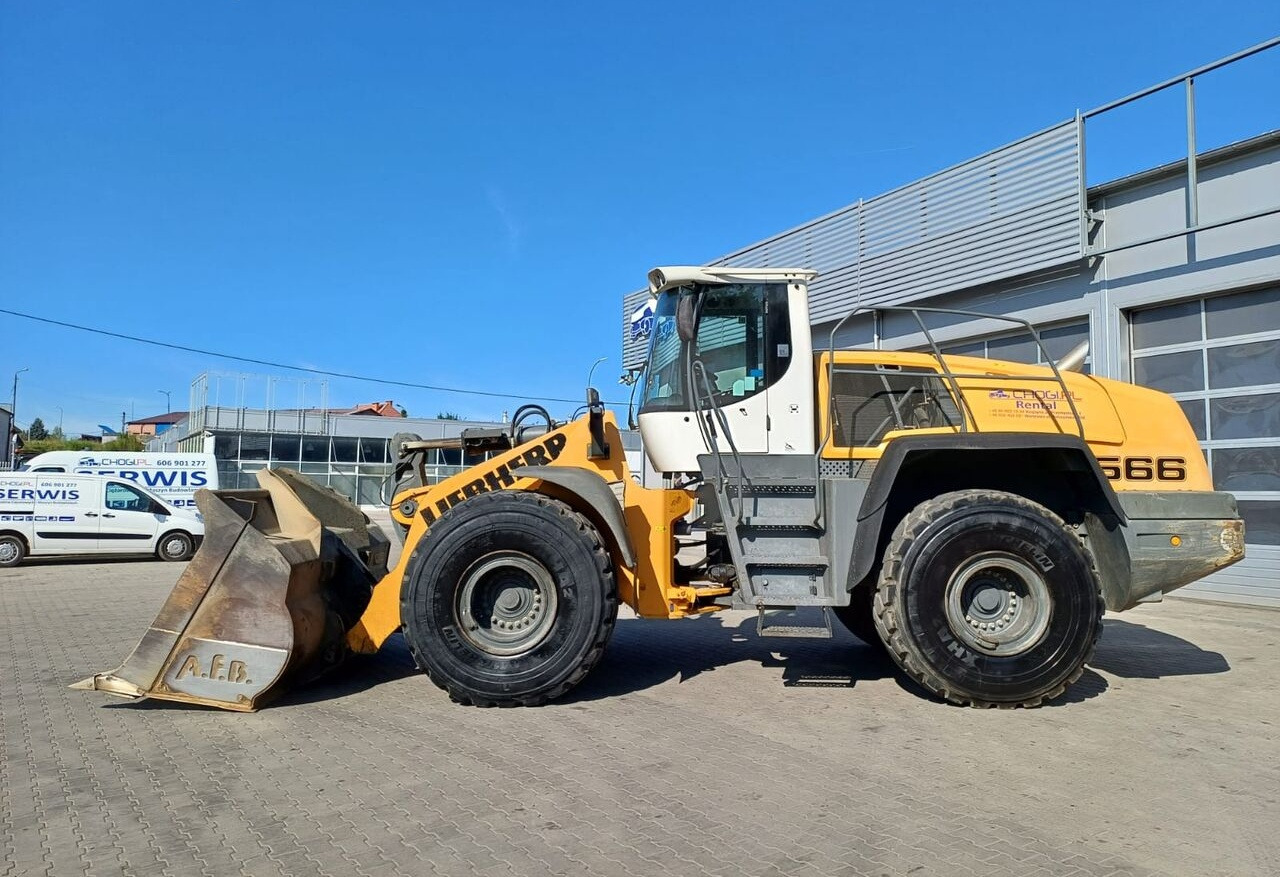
point(125, 442)
point(447, 415)
point(404, 412)
point(37, 431)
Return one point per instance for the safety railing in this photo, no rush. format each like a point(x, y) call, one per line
point(1192, 225)
point(968, 421)
point(702, 384)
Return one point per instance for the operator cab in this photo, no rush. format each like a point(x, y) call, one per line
point(727, 339)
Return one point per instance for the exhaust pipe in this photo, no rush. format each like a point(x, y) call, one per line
point(1074, 360)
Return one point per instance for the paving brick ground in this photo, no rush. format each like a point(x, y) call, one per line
point(695, 749)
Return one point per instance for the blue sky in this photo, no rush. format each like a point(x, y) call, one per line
point(458, 194)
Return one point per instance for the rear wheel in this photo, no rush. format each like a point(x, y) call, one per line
point(12, 550)
point(175, 546)
point(987, 599)
point(510, 599)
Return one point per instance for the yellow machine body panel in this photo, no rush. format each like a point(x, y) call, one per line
point(1141, 437)
point(648, 587)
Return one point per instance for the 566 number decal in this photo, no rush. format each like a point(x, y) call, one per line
point(1144, 468)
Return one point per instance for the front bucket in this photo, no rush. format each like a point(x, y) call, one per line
point(283, 573)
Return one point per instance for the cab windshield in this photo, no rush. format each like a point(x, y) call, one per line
point(743, 342)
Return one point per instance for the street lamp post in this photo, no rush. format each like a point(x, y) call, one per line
point(167, 407)
point(59, 407)
point(9, 440)
point(13, 409)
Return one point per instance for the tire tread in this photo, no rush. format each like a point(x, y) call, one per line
point(593, 654)
point(888, 598)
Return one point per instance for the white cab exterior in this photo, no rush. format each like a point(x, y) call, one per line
point(779, 420)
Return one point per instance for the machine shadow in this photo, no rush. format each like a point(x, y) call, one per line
point(358, 673)
point(644, 654)
point(1135, 651)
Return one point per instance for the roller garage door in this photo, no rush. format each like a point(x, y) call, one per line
point(1220, 358)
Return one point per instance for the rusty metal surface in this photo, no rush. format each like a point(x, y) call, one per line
point(283, 573)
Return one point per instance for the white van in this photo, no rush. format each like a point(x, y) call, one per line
point(175, 478)
point(51, 513)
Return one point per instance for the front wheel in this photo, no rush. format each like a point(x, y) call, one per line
point(987, 599)
point(509, 600)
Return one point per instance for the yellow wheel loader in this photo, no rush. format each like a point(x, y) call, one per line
point(975, 517)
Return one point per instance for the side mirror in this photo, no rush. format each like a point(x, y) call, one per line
point(157, 509)
point(687, 317)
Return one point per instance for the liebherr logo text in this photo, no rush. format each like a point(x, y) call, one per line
point(538, 455)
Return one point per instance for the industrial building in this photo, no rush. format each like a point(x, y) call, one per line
point(1172, 274)
point(346, 449)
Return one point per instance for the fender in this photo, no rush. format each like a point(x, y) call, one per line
point(595, 494)
point(1050, 453)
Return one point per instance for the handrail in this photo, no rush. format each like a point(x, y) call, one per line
point(1190, 74)
point(700, 369)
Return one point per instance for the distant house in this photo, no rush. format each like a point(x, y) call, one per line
point(374, 409)
point(157, 425)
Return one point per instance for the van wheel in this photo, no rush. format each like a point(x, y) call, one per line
point(12, 550)
point(175, 546)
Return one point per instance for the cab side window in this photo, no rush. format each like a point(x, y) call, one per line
point(123, 498)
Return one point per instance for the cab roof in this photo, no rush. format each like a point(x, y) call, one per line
point(664, 278)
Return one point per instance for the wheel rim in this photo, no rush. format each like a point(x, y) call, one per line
point(506, 603)
point(998, 604)
point(175, 546)
point(8, 552)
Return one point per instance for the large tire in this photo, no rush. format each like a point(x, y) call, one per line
point(987, 599)
point(12, 550)
point(509, 600)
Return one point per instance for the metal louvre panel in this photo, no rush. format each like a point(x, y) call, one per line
point(1038, 236)
point(1015, 210)
point(1031, 240)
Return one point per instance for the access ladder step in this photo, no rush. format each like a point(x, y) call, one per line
point(794, 630)
point(794, 560)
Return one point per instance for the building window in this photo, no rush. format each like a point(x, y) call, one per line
point(1019, 346)
point(1220, 358)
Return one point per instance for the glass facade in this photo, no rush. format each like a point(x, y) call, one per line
point(360, 468)
point(1021, 347)
point(1220, 358)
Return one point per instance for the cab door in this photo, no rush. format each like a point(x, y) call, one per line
point(128, 524)
point(729, 365)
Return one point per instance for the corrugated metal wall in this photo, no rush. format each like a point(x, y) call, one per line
point(1015, 210)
